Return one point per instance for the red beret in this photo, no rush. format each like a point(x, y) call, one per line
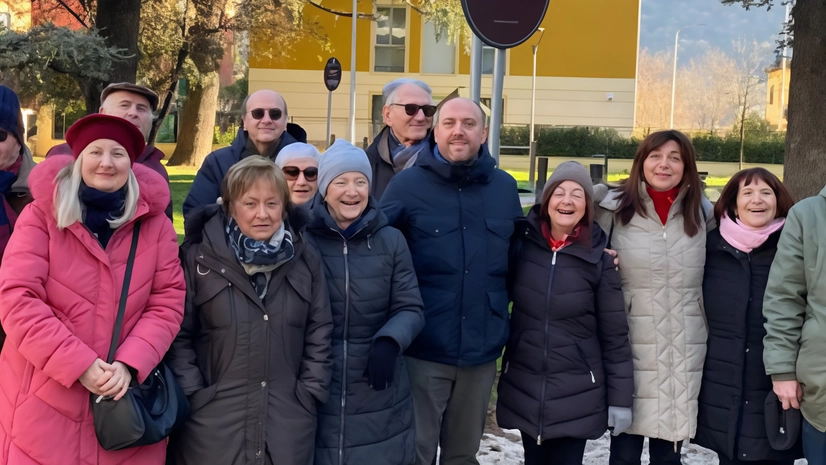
point(99, 126)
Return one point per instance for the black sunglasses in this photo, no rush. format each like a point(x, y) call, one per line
point(291, 173)
point(3, 135)
point(258, 113)
point(411, 109)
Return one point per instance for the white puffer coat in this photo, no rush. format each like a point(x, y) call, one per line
point(662, 279)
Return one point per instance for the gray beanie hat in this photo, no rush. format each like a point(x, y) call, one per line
point(570, 171)
point(296, 150)
point(342, 157)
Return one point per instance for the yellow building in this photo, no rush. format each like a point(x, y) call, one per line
point(777, 94)
point(15, 15)
point(586, 66)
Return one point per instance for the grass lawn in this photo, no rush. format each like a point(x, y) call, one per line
point(522, 179)
point(180, 178)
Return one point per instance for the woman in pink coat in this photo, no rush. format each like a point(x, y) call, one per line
point(60, 285)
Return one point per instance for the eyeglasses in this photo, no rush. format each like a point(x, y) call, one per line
point(411, 109)
point(258, 113)
point(291, 173)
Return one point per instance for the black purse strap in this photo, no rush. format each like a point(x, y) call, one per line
point(127, 276)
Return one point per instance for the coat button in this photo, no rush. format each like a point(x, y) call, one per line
point(223, 270)
point(263, 384)
point(747, 402)
point(266, 318)
point(437, 230)
point(747, 350)
point(229, 284)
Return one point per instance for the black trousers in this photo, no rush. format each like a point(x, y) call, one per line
point(725, 461)
point(626, 449)
point(557, 451)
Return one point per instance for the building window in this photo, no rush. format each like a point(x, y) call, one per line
point(441, 55)
point(376, 114)
point(391, 34)
point(771, 95)
point(488, 57)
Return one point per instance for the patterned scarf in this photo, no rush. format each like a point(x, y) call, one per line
point(8, 177)
point(260, 258)
point(100, 208)
point(399, 157)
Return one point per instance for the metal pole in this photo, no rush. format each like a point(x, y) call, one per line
point(475, 69)
point(352, 120)
point(783, 77)
point(531, 139)
point(674, 76)
point(496, 103)
point(674, 72)
point(329, 118)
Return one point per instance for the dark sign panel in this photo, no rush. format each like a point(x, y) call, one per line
point(500, 23)
point(332, 74)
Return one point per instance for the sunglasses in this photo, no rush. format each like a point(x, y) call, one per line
point(258, 113)
point(411, 109)
point(3, 135)
point(292, 172)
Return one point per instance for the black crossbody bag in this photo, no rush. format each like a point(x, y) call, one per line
point(148, 412)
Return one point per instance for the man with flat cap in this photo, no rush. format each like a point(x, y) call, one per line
point(137, 105)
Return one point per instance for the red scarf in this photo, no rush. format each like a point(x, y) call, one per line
point(567, 239)
point(663, 201)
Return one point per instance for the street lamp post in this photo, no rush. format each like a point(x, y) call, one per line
point(532, 141)
point(674, 73)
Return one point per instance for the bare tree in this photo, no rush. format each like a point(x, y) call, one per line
point(653, 90)
point(704, 89)
point(748, 90)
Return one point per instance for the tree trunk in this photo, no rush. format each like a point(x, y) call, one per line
point(804, 171)
point(119, 22)
point(197, 123)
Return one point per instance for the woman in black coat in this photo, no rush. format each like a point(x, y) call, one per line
point(751, 212)
point(377, 312)
point(567, 372)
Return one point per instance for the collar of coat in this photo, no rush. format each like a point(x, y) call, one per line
point(323, 223)
point(530, 227)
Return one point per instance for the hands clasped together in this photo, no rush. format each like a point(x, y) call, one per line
point(107, 380)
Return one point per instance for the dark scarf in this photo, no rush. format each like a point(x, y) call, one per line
point(260, 258)
point(396, 154)
point(100, 208)
point(7, 214)
point(270, 153)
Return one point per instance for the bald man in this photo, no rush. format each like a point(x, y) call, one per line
point(457, 212)
point(264, 132)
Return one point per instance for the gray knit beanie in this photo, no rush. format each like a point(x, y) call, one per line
point(570, 171)
point(342, 157)
point(294, 151)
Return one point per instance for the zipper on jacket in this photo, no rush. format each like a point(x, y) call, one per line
point(344, 361)
point(587, 363)
point(545, 351)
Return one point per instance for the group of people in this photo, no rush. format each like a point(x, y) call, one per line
point(350, 307)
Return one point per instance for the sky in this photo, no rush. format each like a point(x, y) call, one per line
point(724, 23)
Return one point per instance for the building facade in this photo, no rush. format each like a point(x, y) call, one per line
point(586, 66)
point(777, 94)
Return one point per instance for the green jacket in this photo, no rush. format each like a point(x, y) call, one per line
point(794, 307)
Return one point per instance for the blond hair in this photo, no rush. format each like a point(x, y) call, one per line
point(69, 208)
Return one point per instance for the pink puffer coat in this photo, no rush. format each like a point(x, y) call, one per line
point(59, 293)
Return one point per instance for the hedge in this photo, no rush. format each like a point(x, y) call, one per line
point(587, 141)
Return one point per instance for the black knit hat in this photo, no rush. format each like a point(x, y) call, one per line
point(10, 116)
point(782, 426)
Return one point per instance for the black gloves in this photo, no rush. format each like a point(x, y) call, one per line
point(381, 364)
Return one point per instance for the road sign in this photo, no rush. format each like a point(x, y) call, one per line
point(332, 74)
point(502, 25)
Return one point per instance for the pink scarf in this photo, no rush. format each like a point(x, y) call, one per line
point(745, 238)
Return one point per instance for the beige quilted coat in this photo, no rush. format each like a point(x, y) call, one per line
point(662, 278)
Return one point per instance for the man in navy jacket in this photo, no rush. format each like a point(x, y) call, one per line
point(265, 132)
point(457, 211)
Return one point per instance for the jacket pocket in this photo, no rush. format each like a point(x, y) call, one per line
point(496, 327)
point(213, 300)
point(499, 233)
point(201, 397)
point(590, 367)
point(306, 399)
